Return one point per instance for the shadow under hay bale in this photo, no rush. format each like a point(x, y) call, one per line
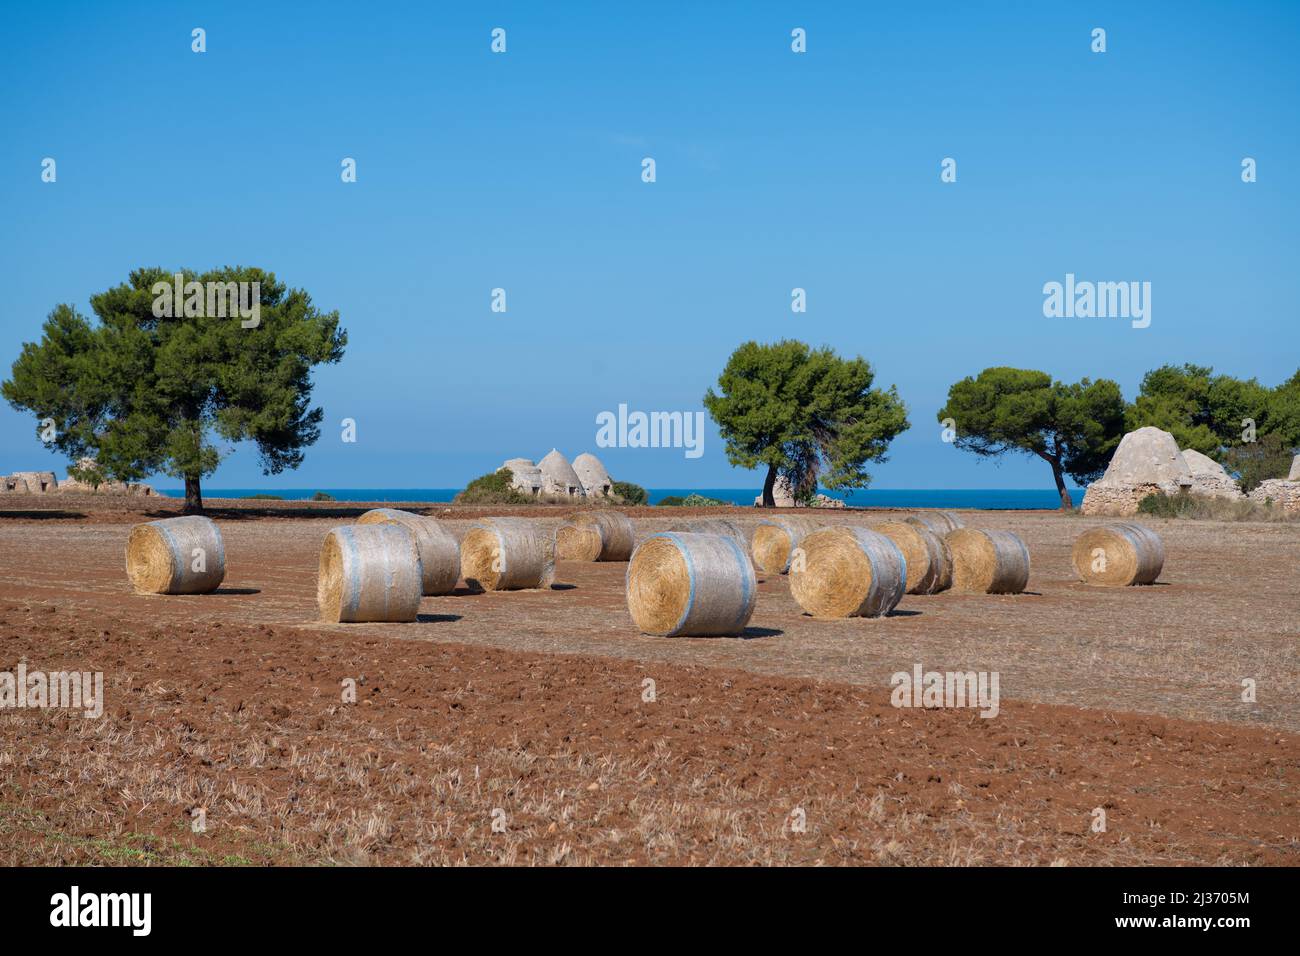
point(507, 554)
point(689, 584)
point(369, 574)
point(846, 571)
point(176, 556)
point(1118, 555)
point(988, 562)
point(929, 562)
point(436, 546)
point(775, 539)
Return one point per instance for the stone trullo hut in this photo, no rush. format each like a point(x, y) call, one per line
point(1146, 462)
point(527, 476)
point(45, 482)
point(595, 479)
point(31, 482)
point(1208, 476)
point(783, 497)
point(558, 476)
point(71, 484)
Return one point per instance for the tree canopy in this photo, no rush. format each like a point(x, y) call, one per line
point(144, 393)
point(1201, 410)
point(1282, 413)
point(1074, 428)
point(806, 414)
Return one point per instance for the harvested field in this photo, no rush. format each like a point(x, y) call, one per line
point(533, 703)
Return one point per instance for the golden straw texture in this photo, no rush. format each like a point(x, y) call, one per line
point(437, 548)
point(988, 562)
point(844, 571)
point(176, 556)
point(683, 583)
point(1118, 555)
point(369, 573)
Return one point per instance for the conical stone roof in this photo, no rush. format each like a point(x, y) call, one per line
point(558, 476)
point(595, 479)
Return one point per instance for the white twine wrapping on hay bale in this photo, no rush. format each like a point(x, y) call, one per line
point(940, 522)
point(775, 539)
point(369, 573)
point(437, 548)
point(684, 583)
point(596, 536)
point(1118, 555)
point(176, 556)
point(929, 562)
point(508, 554)
point(723, 526)
point(845, 571)
point(988, 562)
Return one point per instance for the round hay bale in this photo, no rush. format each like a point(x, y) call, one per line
point(436, 546)
point(988, 562)
point(690, 584)
point(929, 563)
point(578, 542)
point(940, 522)
point(723, 526)
point(775, 539)
point(176, 556)
point(596, 536)
point(507, 554)
point(369, 573)
point(844, 571)
point(1118, 555)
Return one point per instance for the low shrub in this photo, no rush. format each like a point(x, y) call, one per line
point(1184, 505)
point(697, 501)
point(322, 496)
point(629, 493)
point(494, 488)
point(692, 500)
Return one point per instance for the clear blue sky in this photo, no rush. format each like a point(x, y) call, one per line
point(775, 170)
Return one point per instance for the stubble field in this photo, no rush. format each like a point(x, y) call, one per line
point(529, 710)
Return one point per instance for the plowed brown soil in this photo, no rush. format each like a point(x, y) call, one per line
point(522, 728)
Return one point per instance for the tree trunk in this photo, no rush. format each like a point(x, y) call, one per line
point(193, 496)
point(769, 500)
point(1066, 503)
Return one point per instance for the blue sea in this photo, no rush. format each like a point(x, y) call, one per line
point(991, 499)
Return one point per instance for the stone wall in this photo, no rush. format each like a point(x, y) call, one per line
point(1282, 493)
point(45, 483)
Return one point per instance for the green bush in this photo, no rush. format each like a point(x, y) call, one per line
point(692, 500)
point(699, 501)
point(629, 493)
point(322, 496)
point(263, 497)
point(494, 488)
point(1166, 506)
point(1256, 461)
